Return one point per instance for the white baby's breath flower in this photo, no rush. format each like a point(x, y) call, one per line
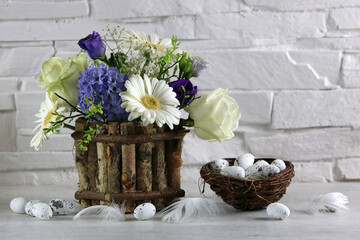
point(152, 100)
point(45, 116)
point(147, 43)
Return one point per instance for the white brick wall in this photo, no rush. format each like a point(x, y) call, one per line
point(293, 66)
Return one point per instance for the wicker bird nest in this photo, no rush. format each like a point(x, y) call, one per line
point(248, 194)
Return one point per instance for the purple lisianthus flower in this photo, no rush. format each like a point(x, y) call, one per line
point(185, 91)
point(93, 44)
point(198, 65)
point(103, 85)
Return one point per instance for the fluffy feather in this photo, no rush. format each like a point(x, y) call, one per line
point(110, 213)
point(330, 202)
point(185, 208)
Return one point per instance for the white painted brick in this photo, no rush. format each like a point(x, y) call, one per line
point(333, 32)
point(65, 49)
point(66, 177)
point(313, 172)
point(197, 151)
point(42, 10)
point(55, 143)
point(295, 5)
point(316, 109)
point(325, 64)
point(348, 169)
point(328, 43)
point(261, 24)
point(255, 107)
point(7, 132)
point(346, 18)
point(23, 61)
point(325, 143)
point(351, 70)
point(191, 174)
point(114, 9)
point(7, 102)
point(28, 104)
point(191, 182)
point(13, 44)
point(36, 161)
point(8, 85)
point(75, 29)
point(267, 70)
point(216, 44)
point(29, 85)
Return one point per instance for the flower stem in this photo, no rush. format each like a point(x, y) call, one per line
point(69, 126)
point(187, 123)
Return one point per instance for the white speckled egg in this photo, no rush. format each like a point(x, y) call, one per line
point(278, 211)
point(219, 164)
point(41, 211)
point(17, 205)
point(29, 205)
point(244, 161)
point(61, 206)
point(254, 172)
point(269, 170)
point(233, 171)
point(144, 211)
point(279, 163)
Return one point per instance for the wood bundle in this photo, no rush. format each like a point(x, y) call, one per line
point(129, 162)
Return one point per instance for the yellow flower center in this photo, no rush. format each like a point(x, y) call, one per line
point(48, 117)
point(150, 102)
point(153, 45)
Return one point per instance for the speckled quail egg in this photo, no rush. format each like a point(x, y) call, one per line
point(279, 163)
point(17, 205)
point(29, 205)
point(61, 206)
point(219, 164)
point(278, 211)
point(41, 211)
point(144, 211)
point(244, 161)
point(233, 171)
point(269, 170)
point(254, 172)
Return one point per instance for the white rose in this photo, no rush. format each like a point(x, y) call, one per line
point(216, 115)
point(61, 77)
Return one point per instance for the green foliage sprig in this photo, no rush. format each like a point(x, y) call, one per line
point(94, 113)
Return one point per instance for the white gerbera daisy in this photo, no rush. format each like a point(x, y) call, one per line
point(147, 42)
point(46, 116)
point(152, 100)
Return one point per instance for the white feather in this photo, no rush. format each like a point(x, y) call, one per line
point(330, 202)
point(110, 213)
point(185, 208)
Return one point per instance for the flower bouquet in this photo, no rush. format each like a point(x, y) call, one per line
point(126, 105)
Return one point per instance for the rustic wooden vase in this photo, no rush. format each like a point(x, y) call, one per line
point(127, 162)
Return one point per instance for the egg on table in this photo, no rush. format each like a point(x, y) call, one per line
point(233, 171)
point(61, 206)
point(29, 205)
point(41, 211)
point(17, 205)
point(244, 161)
point(278, 211)
point(144, 211)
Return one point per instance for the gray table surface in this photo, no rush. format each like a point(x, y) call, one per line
point(238, 225)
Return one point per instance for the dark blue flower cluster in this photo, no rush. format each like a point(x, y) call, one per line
point(103, 84)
